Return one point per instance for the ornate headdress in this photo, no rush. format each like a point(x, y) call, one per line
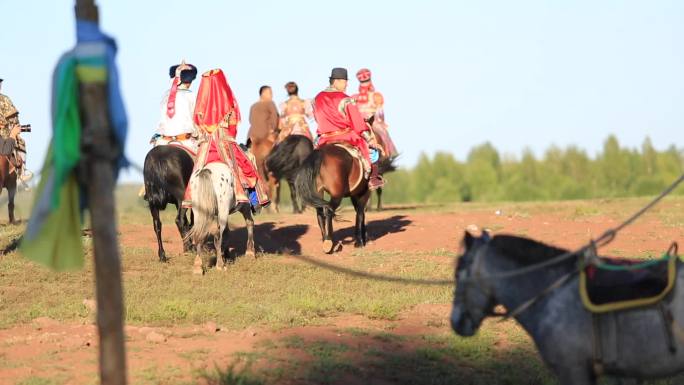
point(216, 105)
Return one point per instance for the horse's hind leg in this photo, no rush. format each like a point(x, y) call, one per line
point(293, 197)
point(158, 232)
point(11, 193)
point(328, 242)
point(249, 222)
point(360, 227)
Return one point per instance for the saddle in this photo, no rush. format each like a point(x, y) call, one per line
point(356, 155)
point(619, 284)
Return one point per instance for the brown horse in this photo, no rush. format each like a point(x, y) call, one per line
point(332, 169)
point(260, 148)
point(8, 180)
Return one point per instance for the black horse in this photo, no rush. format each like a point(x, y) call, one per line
point(166, 172)
point(283, 163)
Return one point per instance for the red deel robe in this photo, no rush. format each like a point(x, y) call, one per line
point(339, 120)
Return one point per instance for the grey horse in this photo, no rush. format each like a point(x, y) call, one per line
point(634, 343)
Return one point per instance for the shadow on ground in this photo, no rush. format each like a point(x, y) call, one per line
point(376, 229)
point(371, 357)
point(269, 239)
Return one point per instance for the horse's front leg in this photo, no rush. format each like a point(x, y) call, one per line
point(183, 227)
point(249, 222)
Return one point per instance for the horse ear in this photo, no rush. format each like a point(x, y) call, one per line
point(486, 235)
point(468, 240)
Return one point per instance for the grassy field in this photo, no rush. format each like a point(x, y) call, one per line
point(278, 293)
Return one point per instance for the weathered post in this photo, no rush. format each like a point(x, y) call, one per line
point(100, 151)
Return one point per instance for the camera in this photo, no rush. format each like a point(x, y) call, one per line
point(25, 128)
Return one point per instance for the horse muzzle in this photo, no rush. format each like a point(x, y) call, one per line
point(462, 323)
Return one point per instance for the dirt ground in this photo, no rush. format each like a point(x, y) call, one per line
point(47, 350)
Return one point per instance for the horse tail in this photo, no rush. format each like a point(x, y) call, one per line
point(386, 165)
point(305, 181)
point(154, 176)
point(204, 208)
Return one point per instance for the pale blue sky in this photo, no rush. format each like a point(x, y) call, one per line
point(454, 74)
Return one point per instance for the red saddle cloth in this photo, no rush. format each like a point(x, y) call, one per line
point(608, 286)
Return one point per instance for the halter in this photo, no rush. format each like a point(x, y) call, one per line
point(477, 279)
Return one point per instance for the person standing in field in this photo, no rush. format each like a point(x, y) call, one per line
point(10, 129)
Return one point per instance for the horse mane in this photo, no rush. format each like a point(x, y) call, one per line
point(525, 250)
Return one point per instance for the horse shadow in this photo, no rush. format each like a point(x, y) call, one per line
point(269, 239)
point(376, 229)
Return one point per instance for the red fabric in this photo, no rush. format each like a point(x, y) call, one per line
point(216, 105)
point(243, 163)
point(364, 89)
point(171, 103)
point(330, 119)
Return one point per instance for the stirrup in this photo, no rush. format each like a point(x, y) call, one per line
point(26, 175)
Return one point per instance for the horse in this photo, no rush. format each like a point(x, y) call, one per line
point(8, 180)
point(213, 200)
point(260, 148)
point(283, 163)
point(332, 169)
point(166, 173)
point(559, 324)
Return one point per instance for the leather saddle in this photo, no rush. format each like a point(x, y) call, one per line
point(618, 283)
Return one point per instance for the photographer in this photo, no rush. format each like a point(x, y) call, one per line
point(10, 129)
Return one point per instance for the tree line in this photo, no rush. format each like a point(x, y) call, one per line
point(560, 174)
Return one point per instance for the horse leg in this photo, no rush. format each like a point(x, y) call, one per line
point(249, 222)
point(293, 196)
point(182, 225)
point(328, 242)
point(274, 189)
point(11, 192)
point(320, 216)
point(360, 227)
point(158, 232)
point(379, 193)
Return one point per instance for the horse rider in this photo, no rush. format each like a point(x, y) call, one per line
point(178, 105)
point(216, 116)
point(263, 116)
point(10, 128)
point(371, 105)
point(339, 120)
point(294, 113)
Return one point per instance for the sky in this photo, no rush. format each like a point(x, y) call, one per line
point(519, 74)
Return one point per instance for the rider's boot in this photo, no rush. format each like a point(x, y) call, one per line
point(375, 181)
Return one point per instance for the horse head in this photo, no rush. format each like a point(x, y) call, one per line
point(473, 298)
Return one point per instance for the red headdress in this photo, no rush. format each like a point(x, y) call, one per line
point(366, 86)
point(216, 105)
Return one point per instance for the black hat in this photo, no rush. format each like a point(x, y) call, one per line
point(1, 79)
point(338, 73)
point(186, 75)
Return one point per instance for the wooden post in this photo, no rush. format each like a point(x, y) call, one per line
point(100, 151)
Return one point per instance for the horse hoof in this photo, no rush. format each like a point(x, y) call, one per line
point(358, 244)
point(328, 246)
point(250, 253)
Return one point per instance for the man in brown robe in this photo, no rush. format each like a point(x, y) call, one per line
point(263, 130)
point(263, 116)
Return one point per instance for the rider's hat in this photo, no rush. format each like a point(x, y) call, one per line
point(188, 72)
point(338, 73)
point(364, 75)
point(1, 80)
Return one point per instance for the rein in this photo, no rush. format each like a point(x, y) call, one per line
point(587, 252)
